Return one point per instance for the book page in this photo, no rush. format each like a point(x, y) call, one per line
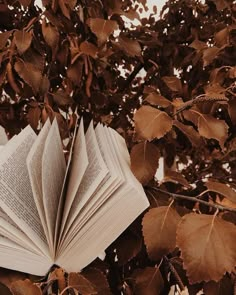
point(94, 175)
point(110, 183)
point(16, 197)
point(53, 172)
point(111, 219)
point(34, 165)
point(79, 165)
point(10, 229)
point(15, 257)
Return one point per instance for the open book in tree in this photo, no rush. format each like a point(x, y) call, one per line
point(53, 213)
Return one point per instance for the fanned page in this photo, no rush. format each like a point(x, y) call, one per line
point(53, 173)
point(16, 197)
point(92, 178)
point(110, 219)
point(78, 167)
point(14, 256)
point(110, 183)
point(34, 165)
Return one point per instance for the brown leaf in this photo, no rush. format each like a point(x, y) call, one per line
point(98, 279)
point(175, 177)
point(25, 3)
point(75, 71)
point(50, 35)
point(81, 284)
point(148, 281)
point(4, 290)
point(221, 189)
point(159, 231)
point(222, 37)
point(198, 45)
point(224, 286)
point(151, 123)
point(25, 287)
point(62, 98)
point(89, 48)
point(102, 28)
point(23, 40)
point(209, 55)
point(33, 115)
point(3, 38)
point(207, 245)
point(64, 9)
point(190, 132)
point(157, 99)
point(127, 246)
point(232, 110)
point(29, 73)
point(208, 126)
point(221, 4)
point(173, 83)
point(7, 276)
point(144, 161)
point(130, 46)
point(58, 274)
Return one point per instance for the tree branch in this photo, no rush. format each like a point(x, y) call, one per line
point(131, 77)
point(195, 199)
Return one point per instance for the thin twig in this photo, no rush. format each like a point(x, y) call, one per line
point(196, 200)
point(175, 274)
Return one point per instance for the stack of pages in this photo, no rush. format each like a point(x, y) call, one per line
point(64, 214)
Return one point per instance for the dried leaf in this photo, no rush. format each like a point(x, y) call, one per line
point(98, 279)
point(102, 28)
point(89, 48)
point(159, 231)
point(206, 240)
point(144, 161)
point(33, 115)
point(75, 71)
point(220, 4)
point(232, 110)
point(221, 189)
point(208, 126)
point(59, 275)
point(148, 281)
point(25, 287)
point(64, 9)
point(25, 3)
point(62, 98)
point(157, 99)
point(3, 38)
point(23, 40)
point(80, 283)
point(224, 286)
point(190, 132)
point(222, 37)
point(7, 276)
point(198, 45)
point(173, 83)
point(175, 177)
point(131, 47)
point(151, 123)
point(127, 246)
point(50, 35)
point(29, 73)
point(209, 55)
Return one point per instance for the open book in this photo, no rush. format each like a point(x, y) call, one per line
point(53, 213)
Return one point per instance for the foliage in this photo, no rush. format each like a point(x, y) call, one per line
point(168, 86)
